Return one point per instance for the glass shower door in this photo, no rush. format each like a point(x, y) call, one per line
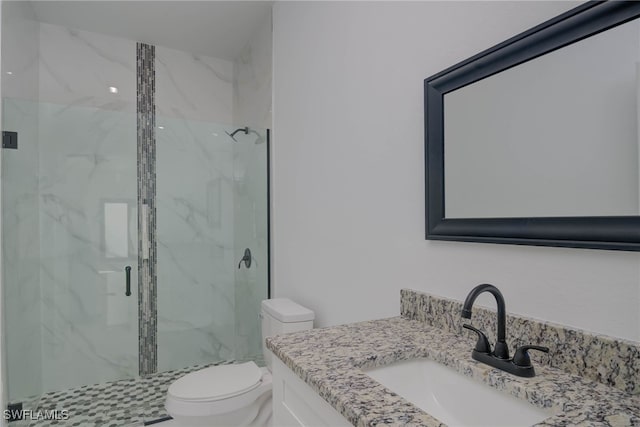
point(75, 173)
point(88, 222)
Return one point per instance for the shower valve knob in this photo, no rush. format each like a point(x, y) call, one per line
point(246, 259)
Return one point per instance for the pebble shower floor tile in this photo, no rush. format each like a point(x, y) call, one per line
point(121, 403)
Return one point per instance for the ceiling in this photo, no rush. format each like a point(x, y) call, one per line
point(214, 28)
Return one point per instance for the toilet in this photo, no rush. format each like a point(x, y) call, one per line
point(236, 394)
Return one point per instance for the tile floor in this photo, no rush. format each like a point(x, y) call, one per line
point(129, 403)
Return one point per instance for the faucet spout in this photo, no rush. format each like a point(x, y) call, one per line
point(501, 349)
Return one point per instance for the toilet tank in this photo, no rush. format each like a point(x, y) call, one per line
point(281, 316)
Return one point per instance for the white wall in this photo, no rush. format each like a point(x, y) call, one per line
point(348, 171)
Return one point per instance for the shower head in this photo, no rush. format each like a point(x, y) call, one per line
point(233, 134)
point(260, 138)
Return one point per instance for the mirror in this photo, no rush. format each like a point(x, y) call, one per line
point(535, 141)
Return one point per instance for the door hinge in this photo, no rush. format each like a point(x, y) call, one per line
point(10, 140)
point(14, 412)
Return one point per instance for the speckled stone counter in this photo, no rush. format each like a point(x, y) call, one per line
point(331, 360)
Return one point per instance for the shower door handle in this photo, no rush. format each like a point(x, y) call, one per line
point(127, 273)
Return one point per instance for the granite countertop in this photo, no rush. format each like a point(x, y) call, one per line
point(330, 360)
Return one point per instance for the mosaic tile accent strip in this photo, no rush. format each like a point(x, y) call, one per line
point(147, 246)
point(331, 361)
point(601, 358)
point(121, 403)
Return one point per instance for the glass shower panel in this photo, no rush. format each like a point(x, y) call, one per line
point(21, 252)
point(250, 183)
point(84, 182)
point(195, 229)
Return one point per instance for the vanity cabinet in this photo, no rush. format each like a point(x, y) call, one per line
point(297, 404)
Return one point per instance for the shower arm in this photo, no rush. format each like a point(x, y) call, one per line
point(233, 134)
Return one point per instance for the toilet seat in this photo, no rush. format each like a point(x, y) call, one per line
point(216, 383)
point(218, 399)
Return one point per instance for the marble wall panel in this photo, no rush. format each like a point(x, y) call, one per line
point(78, 68)
point(252, 78)
point(196, 257)
point(194, 87)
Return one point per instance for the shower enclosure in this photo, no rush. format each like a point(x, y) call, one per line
point(107, 190)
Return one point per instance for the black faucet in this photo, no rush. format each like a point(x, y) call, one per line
point(499, 358)
point(501, 350)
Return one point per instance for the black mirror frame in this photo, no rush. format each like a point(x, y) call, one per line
point(602, 232)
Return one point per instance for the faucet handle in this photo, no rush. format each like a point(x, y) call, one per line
point(521, 356)
point(482, 345)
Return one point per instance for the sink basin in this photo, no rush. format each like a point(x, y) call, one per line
point(453, 398)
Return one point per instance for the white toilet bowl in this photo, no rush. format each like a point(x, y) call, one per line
point(238, 394)
point(226, 395)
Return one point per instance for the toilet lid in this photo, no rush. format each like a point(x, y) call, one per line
point(217, 382)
